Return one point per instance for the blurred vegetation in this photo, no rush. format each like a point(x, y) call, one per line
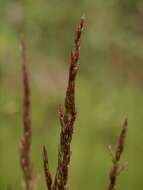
point(109, 86)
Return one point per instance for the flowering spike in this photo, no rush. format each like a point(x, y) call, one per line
point(117, 168)
point(48, 176)
point(25, 145)
point(68, 116)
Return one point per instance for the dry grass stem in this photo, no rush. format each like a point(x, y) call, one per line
point(117, 168)
point(25, 144)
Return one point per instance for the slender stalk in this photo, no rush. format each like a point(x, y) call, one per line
point(48, 176)
point(67, 116)
point(25, 145)
point(117, 168)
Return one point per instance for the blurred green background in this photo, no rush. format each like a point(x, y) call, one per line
point(109, 86)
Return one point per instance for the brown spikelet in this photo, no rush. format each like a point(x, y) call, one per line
point(67, 116)
point(117, 168)
point(48, 176)
point(25, 144)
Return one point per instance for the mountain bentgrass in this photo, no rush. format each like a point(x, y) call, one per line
point(67, 116)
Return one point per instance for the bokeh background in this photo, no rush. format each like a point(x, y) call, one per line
point(109, 86)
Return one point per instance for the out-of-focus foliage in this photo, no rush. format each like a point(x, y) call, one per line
point(109, 86)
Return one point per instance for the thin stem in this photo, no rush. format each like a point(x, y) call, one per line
point(26, 139)
point(67, 116)
point(116, 168)
point(48, 176)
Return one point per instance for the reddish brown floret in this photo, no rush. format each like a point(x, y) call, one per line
point(116, 168)
point(48, 176)
point(67, 116)
point(25, 145)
